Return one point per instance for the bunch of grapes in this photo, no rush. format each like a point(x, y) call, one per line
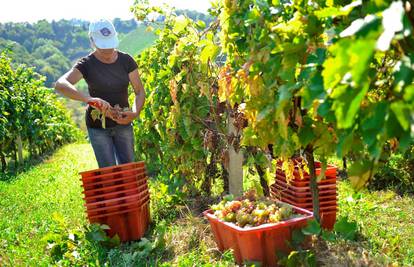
point(250, 211)
point(114, 113)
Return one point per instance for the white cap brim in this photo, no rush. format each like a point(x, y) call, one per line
point(106, 43)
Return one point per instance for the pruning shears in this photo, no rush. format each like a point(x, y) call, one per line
point(95, 104)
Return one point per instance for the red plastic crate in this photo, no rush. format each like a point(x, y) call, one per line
point(117, 201)
point(119, 197)
point(114, 188)
point(111, 169)
point(323, 198)
point(309, 206)
point(117, 181)
point(117, 194)
point(302, 183)
point(112, 178)
point(277, 188)
point(327, 213)
point(305, 188)
point(330, 171)
point(257, 243)
point(128, 224)
point(328, 219)
point(112, 175)
point(104, 211)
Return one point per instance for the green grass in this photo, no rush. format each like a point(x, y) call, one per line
point(28, 202)
point(136, 41)
point(386, 222)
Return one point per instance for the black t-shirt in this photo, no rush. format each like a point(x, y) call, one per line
point(106, 81)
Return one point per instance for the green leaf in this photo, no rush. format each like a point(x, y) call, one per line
point(181, 22)
point(360, 172)
point(115, 241)
point(345, 144)
point(376, 118)
point(209, 54)
point(347, 59)
point(359, 62)
point(314, 90)
point(403, 73)
point(105, 227)
point(297, 238)
point(313, 228)
point(201, 24)
point(346, 229)
point(301, 258)
point(347, 104)
point(403, 113)
point(306, 134)
point(328, 236)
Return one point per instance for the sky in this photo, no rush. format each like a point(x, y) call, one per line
point(34, 10)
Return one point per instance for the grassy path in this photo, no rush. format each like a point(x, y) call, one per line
point(28, 202)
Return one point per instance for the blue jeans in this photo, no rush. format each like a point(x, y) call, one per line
point(112, 146)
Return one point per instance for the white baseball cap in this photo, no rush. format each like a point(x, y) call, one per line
point(103, 34)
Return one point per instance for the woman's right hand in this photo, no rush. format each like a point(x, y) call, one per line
point(99, 103)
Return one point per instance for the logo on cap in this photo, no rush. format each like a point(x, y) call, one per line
point(105, 31)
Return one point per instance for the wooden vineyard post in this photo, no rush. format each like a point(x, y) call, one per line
point(19, 149)
point(235, 163)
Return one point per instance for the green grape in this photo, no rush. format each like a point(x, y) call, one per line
point(230, 217)
point(285, 212)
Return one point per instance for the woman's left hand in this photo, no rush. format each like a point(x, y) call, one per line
point(127, 117)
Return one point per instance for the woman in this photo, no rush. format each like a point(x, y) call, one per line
point(108, 72)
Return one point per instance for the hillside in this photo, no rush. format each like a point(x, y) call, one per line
point(137, 40)
point(51, 47)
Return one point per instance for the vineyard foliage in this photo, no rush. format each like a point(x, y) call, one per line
point(327, 78)
point(30, 111)
point(180, 125)
point(312, 78)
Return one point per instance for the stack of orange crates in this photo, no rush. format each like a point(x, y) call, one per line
point(297, 192)
point(118, 196)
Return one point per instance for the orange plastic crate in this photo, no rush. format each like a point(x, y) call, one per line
point(301, 183)
point(112, 169)
point(104, 211)
point(276, 188)
point(129, 224)
point(307, 199)
point(114, 188)
point(300, 189)
point(330, 171)
point(257, 243)
point(116, 201)
point(115, 181)
point(112, 175)
point(134, 189)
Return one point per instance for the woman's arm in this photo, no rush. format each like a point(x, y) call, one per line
point(136, 83)
point(139, 91)
point(65, 86)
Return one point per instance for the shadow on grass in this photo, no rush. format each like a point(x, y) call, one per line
point(29, 163)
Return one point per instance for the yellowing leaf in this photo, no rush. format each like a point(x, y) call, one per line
point(255, 85)
point(225, 84)
point(358, 182)
point(181, 22)
point(359, 173)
